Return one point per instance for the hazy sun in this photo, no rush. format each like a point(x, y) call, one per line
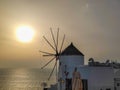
point(24, 34)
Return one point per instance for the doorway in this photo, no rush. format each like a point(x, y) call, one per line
point(116, 83)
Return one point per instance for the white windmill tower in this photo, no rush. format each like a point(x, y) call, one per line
point(70, 58)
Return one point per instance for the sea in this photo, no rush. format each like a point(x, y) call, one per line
point(24, 79)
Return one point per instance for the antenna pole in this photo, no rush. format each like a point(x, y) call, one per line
point(56, 71)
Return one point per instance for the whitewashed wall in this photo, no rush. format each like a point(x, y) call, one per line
point(98, 77)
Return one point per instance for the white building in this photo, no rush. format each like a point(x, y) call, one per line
point(94, 77)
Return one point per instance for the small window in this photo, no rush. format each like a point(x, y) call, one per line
point(108, 89)
point(118, 84)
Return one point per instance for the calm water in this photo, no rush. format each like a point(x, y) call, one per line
point(23, 79)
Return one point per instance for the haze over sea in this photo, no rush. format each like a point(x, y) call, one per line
point(24, 79)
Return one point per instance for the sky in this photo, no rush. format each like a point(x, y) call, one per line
point(92, 25)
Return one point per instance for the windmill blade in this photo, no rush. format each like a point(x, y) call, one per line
point(53, 38)
point(57, 39)
point(46, 52)
point(52, 70)
point(49, 43)
point(48, 63)
point(50, 55)
point(62, 44)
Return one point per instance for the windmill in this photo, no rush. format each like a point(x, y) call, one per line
point(56, 49)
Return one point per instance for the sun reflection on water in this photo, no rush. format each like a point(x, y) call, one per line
point(21, 79)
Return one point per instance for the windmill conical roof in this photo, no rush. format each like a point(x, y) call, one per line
point(71, 50)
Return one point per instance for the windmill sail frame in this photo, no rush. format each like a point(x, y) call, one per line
point(55, 48)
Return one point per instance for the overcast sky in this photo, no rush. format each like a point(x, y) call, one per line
point(92, 25)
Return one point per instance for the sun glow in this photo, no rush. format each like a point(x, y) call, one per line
point(24, 34)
